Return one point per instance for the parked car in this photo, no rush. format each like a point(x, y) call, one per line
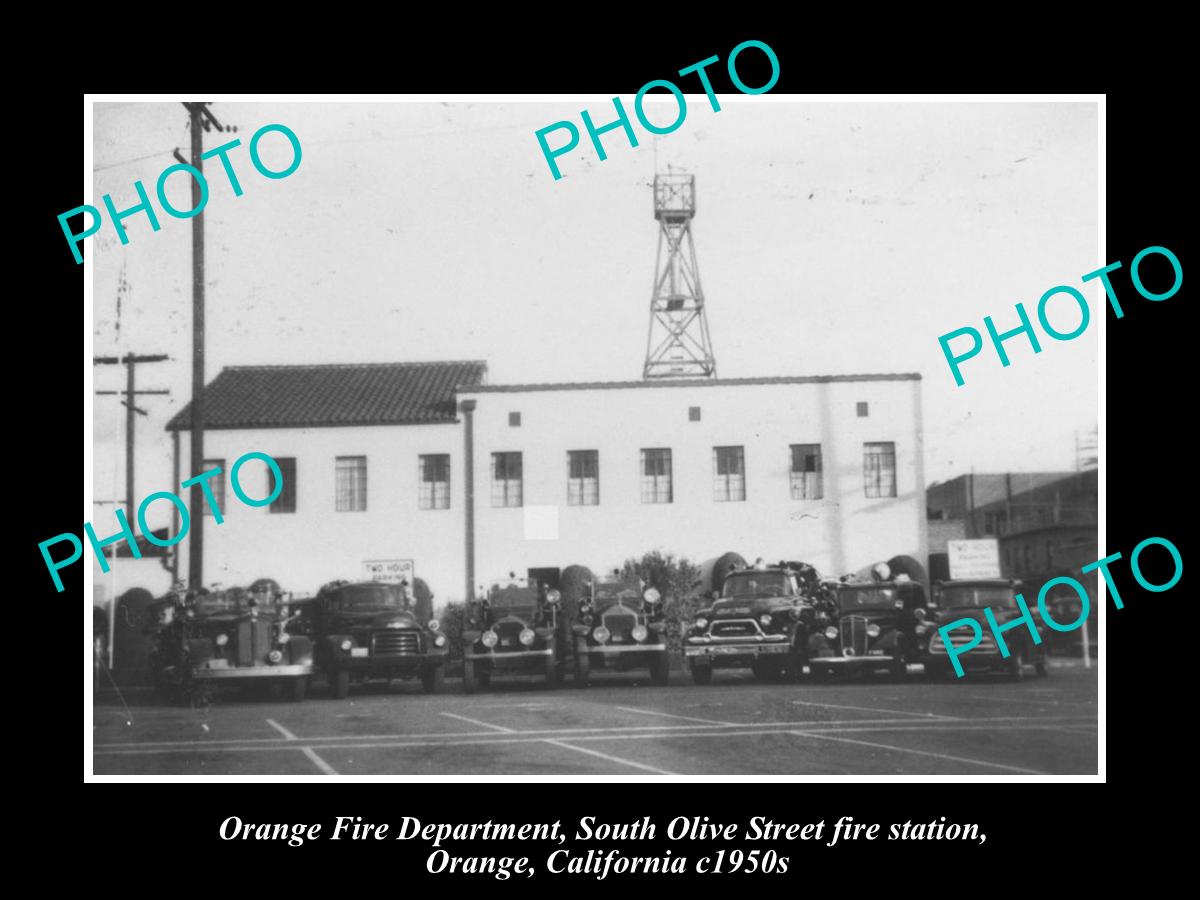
point(516, 628)
point(372, 631)
point(967, 600)
point(759, 621)
point(619, 625)
point(870, 626)
point(208, 639)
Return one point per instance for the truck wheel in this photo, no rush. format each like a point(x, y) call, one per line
point(432, 679)
point(551, 672)
point(660, 668)
point(583, 664)
point(470, 684)
point(1016, 667)
point(299, 688)
point(702, 673)
point(339, 680)
point(820, 674)
point(761, 670)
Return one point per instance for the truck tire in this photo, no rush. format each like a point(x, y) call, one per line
point(432, 679)
point(551, 672)
point(339, 680)
point(1016, 667)
point(660, 668)
point(470, 684)
point(583, 664)
point(299, 689)
point(702, 672)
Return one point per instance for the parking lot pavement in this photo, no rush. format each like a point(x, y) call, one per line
point(735, 726)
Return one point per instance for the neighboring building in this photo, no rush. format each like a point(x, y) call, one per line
point(827, 469)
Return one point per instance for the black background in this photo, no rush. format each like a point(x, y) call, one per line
point(161, 829)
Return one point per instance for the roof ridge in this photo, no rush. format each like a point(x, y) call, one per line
point(432, 362)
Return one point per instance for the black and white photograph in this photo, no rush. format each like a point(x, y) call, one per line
point(690, 435)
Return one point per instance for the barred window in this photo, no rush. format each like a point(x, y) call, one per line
point(656, 476)
point(729, 474)
point(351, 483)
point(807, 479)
point(286, 501)
point(583, 478)
point(216, 485)
point(879, 469)
point(506, 479)
point(434, 481)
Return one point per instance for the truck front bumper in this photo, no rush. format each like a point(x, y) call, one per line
point(734, 653)
point(515, 660)
point(228, 672)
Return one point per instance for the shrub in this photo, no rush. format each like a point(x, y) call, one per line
point(674, 579)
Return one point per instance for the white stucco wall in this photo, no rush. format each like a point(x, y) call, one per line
point(841, 532)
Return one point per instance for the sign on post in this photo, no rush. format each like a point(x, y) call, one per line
point(388, 571)
point(974, 559)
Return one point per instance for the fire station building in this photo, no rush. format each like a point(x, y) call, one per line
point(425, 469)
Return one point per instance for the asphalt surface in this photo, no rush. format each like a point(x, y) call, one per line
point(620, 726)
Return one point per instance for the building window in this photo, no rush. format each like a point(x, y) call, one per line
point(729, 474)
point(879, 469)
point(286, 501)
point(656, 476)
point(693, 414)
point(216, 485)
point(583, 478)
point(351, 483)
point(862, 409)
point(506, 479)
point(434, 474)
point(807, 482)
point(514, 420)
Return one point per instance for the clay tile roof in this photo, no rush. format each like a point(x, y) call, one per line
point(327, 395)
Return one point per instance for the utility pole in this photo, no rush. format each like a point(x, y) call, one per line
point(130, 361)
point(200, 118)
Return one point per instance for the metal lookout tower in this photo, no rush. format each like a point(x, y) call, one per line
point(678, 345)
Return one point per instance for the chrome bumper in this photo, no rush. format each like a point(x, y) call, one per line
point(610, 650)
point(739, 649)
point(507, 654)
point(848, 660)
point(225, 672)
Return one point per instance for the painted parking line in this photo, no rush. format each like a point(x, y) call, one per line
point(894, 712)
point(654, 712)
point(615, 759)
point(946, 756)
point(477, 722)
point(997, 722)
point(286, 734)
point(325, 767)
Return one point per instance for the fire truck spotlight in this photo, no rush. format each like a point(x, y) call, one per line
point(601, 634)
point(434, 624)
point(651, 596)
point(526, 636)
point(639, 633)
point(284, 637)
point(553, 597)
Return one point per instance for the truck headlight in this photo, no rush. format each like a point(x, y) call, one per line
point(702, 623)
point(439, 640)
point(765, 620)
point(274, 657)
point(222, 640)
point(640, 633)
point(601, 634)
point(831, 632)
point(526, 636)
point(651, 596)
point(347, 644)
point(489, 639)
point(873, 630)
point(919, 614)
point(434, 625)
point(284, 637)
point(553, 597)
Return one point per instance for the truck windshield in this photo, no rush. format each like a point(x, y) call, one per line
point(867, 598)
point(628, 593)
point(977, 597)
point(758, 584)
point(365, 596)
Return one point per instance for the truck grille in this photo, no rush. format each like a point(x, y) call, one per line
point(735, 628)
point(620, 622)
point(854, 635)
point(510, 632)
point(253, 642)
point(396, 642)
point(960, 637)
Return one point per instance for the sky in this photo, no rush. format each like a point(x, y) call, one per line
point(832, 238)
